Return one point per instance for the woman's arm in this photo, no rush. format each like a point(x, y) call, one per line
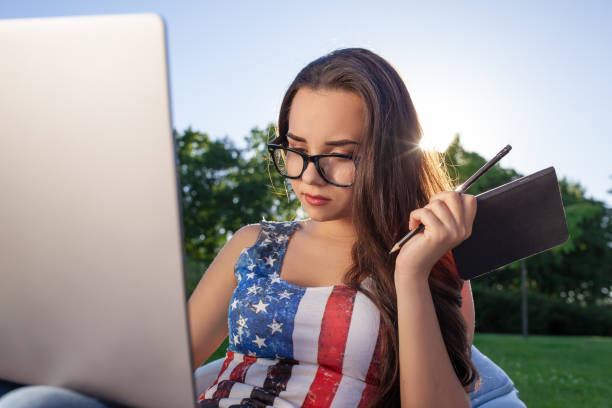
point(427, 376)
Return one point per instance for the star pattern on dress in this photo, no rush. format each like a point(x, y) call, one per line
point(260, 307)
point(263, 304)
point(275, 326)
point(242, 322)
point(260, 341)
point(285, 295)
point(270, 260)
point(275, 278)
point(281, 238)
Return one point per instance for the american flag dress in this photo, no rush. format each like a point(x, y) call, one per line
point(294, 346)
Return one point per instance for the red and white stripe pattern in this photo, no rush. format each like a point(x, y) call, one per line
point(336, 350)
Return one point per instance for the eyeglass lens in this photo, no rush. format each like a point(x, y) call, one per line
point(338, 170)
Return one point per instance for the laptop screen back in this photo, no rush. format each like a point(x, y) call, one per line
point(92, 291)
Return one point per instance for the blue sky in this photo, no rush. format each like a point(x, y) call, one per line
point(535, 75)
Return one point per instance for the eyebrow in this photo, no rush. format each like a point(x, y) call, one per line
point(342, 142)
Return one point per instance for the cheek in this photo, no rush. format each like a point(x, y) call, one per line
point(293, 184)
point(346, 197)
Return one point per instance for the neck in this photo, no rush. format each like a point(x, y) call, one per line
point(339, 231)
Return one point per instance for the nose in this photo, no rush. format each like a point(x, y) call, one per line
point(311, 175)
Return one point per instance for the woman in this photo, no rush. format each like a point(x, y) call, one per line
point(319, 312)
point(367, 327)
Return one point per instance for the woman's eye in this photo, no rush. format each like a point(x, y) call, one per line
point(301, 149)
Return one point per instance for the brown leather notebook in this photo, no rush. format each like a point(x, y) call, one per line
point(513, 221)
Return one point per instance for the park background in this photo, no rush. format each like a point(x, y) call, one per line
point(481, 75)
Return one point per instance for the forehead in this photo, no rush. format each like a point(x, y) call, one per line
point(320, 115)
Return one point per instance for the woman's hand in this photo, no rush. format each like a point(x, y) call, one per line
point(448, 220)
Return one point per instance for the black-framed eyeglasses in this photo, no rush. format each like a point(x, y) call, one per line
point(335, 168)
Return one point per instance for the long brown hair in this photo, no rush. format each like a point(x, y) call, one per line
point(393, 178)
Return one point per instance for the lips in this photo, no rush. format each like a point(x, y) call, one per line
point(316, 200)
point(318, 197)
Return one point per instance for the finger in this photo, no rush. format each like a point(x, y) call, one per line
point(470, 207)
point(454, 201)
point(441, 210)
point(425, 216)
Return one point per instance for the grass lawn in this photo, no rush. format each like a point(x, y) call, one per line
point(554, 371)
point(548, 371)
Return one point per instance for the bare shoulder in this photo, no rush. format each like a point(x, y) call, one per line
point(247, 236)
point(220, 271)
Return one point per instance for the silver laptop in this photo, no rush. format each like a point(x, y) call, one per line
point(92, 294)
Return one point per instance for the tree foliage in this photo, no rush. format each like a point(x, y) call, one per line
point(224, 188)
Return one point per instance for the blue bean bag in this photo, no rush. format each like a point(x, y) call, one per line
point(497, 389)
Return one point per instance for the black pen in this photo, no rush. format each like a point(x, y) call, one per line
point(460, 189)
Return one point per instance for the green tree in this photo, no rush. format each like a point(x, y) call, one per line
point(462, 164)
point(224, 188)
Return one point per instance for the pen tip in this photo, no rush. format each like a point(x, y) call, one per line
point(395, 248)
